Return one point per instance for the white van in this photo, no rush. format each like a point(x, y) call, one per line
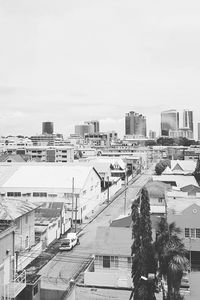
point(69, 242)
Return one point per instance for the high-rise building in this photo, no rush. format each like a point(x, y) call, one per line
point(47, 128)
point(135, 124)
point(198, 126)
point(81, 130)
point(152, 135)
point(186, 120)
point(169, 121)
point(95, 123)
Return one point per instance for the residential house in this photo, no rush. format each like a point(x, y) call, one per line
point(51, 222)
point(109, 273)
point(22, 214)
point(11, 284)
point(185, 212)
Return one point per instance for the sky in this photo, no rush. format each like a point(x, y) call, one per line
point(69, 61)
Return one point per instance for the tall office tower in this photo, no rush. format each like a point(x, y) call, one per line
point(81, 130)
point(95, 123)
point(152, 135)
point(198, 126)
point(169, 121)
point(47, 128)
point(135, 124)
point(187, 121)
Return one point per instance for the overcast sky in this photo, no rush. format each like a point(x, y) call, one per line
point(68, 61)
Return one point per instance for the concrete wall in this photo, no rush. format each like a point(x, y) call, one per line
point(113, 278)
point(94, 293)
point(25, 230)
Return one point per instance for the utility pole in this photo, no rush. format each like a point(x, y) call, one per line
point(125, 195)
point(108, 192)
point(76, 214)
point(72, 203)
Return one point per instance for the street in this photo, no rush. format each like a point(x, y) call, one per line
point(63, 267)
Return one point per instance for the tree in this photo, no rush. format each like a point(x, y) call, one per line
point(171, 255)
point(161, 166)
point(142, 249)
point(196, 172)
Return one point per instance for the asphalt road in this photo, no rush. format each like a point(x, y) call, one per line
point(58, 272)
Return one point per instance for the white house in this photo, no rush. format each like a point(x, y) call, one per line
point(79, 187)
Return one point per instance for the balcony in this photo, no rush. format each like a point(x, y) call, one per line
point(17, 285)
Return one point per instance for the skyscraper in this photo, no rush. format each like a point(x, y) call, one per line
point(135, 124)
point(169, 121)
point(47, 128)
point(82, 129)
point(95, 123)
point(198, 131)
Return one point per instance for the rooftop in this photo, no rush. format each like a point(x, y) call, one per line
point(46, 176)
point(113, 241)
point(11, 209)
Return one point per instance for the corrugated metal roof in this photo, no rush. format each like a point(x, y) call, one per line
point(11, 209)
point(46, 176)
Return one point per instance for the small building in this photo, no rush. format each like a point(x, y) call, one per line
point(110, 271)
point(11, 284)
point(185, 212)
point(22, 214)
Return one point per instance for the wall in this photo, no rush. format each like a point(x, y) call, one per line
point(187, 220)
point(113, 278)
point(90, 195)
point(25, 228)
point(94, 293)
point(112, 190)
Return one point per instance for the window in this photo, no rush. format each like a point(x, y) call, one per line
point(160, 200)
point(26, 242)
point(193, 233)
point(84, 192)
point(35, 289)
point(14, 194)
point(26, 218)
point(39, 194)
point(187, 232)
point(114, 261)
point(106, 261)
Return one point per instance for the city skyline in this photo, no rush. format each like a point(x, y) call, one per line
point(139, 59)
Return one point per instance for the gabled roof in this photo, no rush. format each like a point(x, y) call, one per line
point(185, 165)
point(11, 209)
point(124, 222)
point(178, 205)
point(12, 157)
point(167, 171)
point(190, 188)
point(156, 189)
point(113, 241)
point(49, 176)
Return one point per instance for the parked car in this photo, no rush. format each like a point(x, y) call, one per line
point(69, 242)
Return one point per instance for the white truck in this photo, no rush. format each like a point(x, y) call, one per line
point(69, 242)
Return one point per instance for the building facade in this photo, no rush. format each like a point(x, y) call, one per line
point(83, 129)
point(135, 124)
point(169, 121)
point(95, 123)
point(47, 128)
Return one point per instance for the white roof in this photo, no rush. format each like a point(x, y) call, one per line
point(112, 161)
point(157, 209)
point(180, 204)
point(55, 176)
point(181, 180)
point(167, 171)
point(186, 165)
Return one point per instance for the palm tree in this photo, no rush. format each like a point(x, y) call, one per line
point(171, 255)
